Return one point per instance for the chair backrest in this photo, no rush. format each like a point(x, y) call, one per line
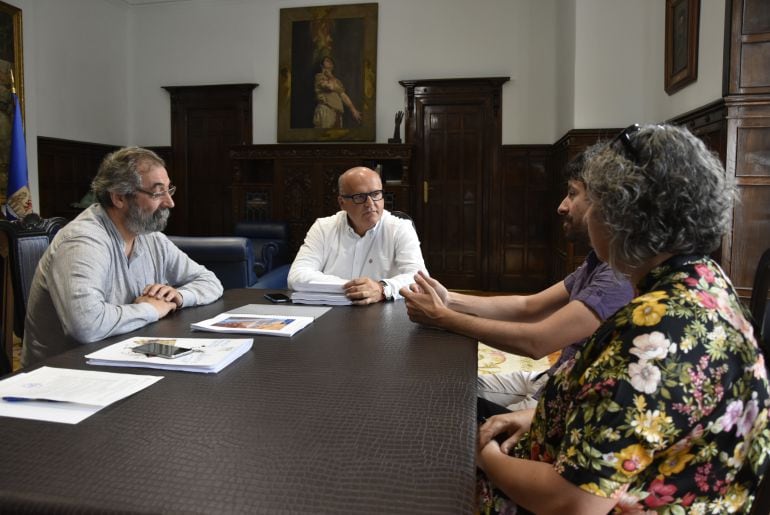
point(229, 257)
point(401, 214)
point(269, 240)
point(760, 311)
point(27, 239)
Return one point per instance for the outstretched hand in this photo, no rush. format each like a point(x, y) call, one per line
point(426, 300)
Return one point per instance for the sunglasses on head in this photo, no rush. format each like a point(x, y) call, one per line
point(625, 139)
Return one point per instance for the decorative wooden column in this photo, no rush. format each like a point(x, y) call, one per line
point(747, 97)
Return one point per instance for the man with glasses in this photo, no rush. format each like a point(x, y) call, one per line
point(375, 252)
point(110, 270)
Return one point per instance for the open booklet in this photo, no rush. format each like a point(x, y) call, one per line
point(276, 325)
point(208, 356)
point(321, 292)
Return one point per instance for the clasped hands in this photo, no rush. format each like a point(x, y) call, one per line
point(511, 426)
point(426, 300)
point(162, 297)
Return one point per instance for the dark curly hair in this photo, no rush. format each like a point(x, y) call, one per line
point(660, 192)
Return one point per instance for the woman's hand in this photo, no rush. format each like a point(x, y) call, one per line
point(424, 303)
point(515, 424)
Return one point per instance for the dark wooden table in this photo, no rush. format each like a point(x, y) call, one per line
point(361, 412)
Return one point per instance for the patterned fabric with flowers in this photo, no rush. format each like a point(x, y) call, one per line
point(666, 407)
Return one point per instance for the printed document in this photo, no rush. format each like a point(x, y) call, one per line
point(208, 356)
point(274, 325)
point(66, 395)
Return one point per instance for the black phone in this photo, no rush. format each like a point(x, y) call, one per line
point(162, 350)
point(278, 298)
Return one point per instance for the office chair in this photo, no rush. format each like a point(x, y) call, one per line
point(760, 313)
point(758, 304)
point(270, 241)
point(25, 240)
point(401, 214)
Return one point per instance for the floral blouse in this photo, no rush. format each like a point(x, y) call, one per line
point(666, 407)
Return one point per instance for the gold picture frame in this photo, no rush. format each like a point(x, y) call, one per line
point(327, 73)
point(682, 22)
point(11, 60)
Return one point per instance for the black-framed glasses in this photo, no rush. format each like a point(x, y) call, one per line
point(625, 139)
point(157, 195)
point(360, 198)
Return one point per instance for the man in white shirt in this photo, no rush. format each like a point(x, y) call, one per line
point(363, 244)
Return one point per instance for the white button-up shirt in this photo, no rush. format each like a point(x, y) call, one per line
point(389, 252)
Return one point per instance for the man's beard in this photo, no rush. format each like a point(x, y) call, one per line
point(142, 222)
point(574, 233)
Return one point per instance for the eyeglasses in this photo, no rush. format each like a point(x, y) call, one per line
point(625, 139)
point(360, 198)
point(156, 195)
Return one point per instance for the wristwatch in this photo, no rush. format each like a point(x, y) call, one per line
point(387, 291)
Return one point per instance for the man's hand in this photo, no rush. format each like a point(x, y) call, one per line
point(363, 290)
point(163, 307)
point(163, 292)
point(515, 424)
point(424, 302)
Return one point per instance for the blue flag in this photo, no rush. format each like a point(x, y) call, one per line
point(19, 197)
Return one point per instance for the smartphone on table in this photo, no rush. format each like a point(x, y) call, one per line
point(161, 350)
point(278, 298)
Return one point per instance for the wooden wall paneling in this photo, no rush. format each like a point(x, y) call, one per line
point(525, 193)
point(297, 183)
point(205, 122)
point(65, 171)
point(748, 141)
point(747, 100)
point(748, 47)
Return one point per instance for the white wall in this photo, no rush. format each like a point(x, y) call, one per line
point(205, 42)
point(619, 62)
point(94, 69)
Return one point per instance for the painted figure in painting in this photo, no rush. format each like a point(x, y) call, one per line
point(331, 98)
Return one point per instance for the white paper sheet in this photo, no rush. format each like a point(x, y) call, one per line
point(66, 395)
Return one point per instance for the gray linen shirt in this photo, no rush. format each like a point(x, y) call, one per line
point(84, 286)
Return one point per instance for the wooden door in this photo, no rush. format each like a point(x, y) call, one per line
point(455, 127)
point(206, 121)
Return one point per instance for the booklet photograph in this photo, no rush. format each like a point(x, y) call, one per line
point(275, 325)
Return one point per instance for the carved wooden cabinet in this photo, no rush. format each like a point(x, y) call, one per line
point(297, 183)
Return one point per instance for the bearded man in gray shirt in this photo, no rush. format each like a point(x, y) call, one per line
point(110, 270)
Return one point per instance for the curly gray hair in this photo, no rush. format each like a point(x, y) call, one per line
point(119, 173)
point(660, 191)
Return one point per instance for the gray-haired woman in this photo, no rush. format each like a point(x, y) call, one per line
point(666, 407)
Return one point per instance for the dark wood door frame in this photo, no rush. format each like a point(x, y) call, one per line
point(228, 107)
point(484, 94)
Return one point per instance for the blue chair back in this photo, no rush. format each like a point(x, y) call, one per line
point(230, 257)
point(26, 241)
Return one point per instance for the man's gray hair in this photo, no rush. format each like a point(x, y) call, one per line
point(119, 173)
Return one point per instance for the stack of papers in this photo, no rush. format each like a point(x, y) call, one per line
point(65, 395)
point(329, 293)
point(209, 356)
point(274, 325)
